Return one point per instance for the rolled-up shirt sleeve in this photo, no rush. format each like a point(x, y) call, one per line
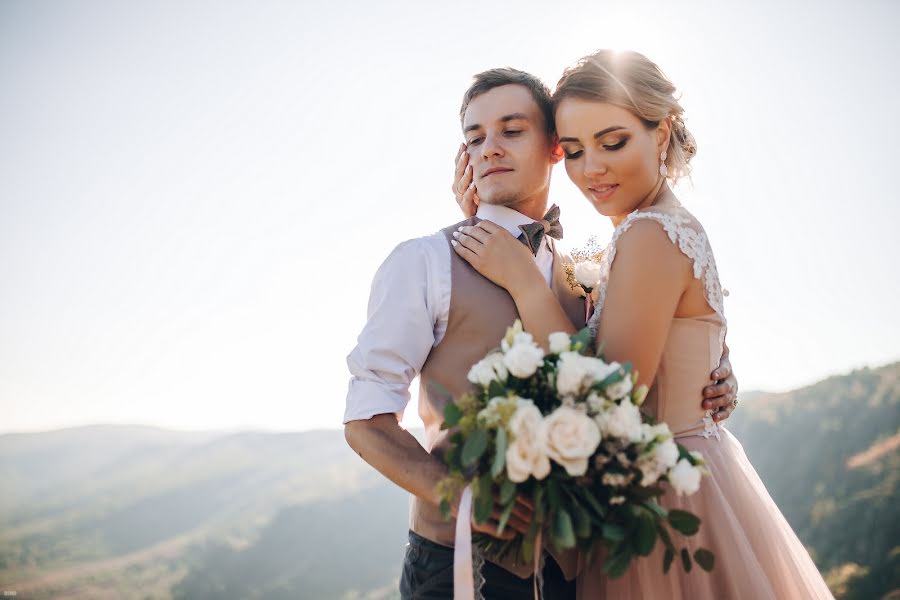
point(405, 304)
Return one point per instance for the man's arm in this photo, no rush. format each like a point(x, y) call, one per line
point(404, 306)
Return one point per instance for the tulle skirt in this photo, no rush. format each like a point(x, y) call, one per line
point(757, 554)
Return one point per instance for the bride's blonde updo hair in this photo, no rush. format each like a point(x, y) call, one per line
point(632, 81)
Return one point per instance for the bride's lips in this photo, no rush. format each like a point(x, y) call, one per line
point(603, 191)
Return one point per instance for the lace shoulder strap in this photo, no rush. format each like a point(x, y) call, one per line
point(685, 232)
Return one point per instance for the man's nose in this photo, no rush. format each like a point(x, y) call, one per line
point(492, 146)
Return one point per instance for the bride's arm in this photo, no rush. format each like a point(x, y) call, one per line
point(647, 280)
point(503, 259)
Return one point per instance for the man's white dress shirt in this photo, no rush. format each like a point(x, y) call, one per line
point(409, 305)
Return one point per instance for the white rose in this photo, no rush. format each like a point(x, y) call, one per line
point(526, 456)
point(685, 477)
point(624, 422)
point(560, 342)
point(577, 371)
point(571, 437)
point(651, 432)
point(619, 389)
point(488, 369)
point(587, 274)
point(524, 358)
point(667, 454)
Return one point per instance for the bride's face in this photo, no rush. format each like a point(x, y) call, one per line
point(610, 154)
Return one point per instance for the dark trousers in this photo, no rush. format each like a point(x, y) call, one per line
point(428, 575)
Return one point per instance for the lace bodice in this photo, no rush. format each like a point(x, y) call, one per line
point(693, 343)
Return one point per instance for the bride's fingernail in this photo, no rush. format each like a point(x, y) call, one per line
point(454, 243)
point(456, 234)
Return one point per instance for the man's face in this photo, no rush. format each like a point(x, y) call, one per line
point(509, 149)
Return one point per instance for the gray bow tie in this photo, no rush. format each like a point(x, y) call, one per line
point(533, 233)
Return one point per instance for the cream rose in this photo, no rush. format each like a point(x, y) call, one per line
point(488, 369)
point(560, 342)
point(685, 477)
point(624, 422)
point(525, 455)
point(524, 357)
point(571, 437)
point(587, 274)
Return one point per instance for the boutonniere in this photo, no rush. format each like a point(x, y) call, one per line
point(583, 273)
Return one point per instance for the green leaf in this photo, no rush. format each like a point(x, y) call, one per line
point(664, 536)
point(594, 503)
point(684, 522)
point(553, 494)
point(645, 536)
point(496, 389)
point(668, 557)
point(705, 559)
point(474, 447)
point(656, 509)
point(507, 491)
point(686, 560)
point(499, 453)
point(613, 533)
point(618, 563)
point(563, 533)
point(582, 521)
point(452, 415)
point(581, 340)
point(504, 517)
point(445, 508)
point(484, 499)
point(540, 509)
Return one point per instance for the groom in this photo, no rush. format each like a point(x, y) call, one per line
point(430, 314)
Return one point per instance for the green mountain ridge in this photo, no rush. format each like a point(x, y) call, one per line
point(124, 512)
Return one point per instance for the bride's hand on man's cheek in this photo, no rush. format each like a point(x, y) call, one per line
point(496, 254)
point(464, 185)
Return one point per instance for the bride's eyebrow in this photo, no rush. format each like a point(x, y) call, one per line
point(597, 135)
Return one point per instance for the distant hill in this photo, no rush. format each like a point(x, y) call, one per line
point(139, 512)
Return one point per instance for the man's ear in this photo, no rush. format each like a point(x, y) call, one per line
point(556, 151)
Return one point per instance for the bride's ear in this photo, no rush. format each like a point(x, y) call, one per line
point(556, 152)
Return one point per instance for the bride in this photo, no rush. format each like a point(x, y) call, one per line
point(660, 306)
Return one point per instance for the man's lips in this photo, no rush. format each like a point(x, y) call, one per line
point(494, 170)
point(602, 191)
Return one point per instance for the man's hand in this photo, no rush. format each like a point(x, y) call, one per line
point(721, 396)
point(463, 184)
point(519, 520)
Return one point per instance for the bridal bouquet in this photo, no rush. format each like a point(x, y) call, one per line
point(564, 429)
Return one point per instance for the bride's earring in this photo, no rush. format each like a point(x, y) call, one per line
point(662, 167)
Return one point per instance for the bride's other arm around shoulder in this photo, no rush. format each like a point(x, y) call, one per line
point(647, 281)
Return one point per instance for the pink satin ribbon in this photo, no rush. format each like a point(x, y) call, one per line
point(463, 573)
point(463, 576)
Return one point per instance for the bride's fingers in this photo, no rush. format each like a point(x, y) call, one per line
point(717, 395)
point(466, 254)
point(469, 202)
point(469, 241)
point(462, 160)
point(476, 232)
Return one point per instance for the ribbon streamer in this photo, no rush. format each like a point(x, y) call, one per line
point(463, 577)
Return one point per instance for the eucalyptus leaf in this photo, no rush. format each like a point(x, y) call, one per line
point(452, 415)
point(686, 560)
point(504, 517)
point(613, 532)
point(668, 557)
point(705, 559)
point(582, 521)
point(507, 491)
point(499, 453)
point(563, 532)
point(645, 536)
point(684, 522)
point(474, 447)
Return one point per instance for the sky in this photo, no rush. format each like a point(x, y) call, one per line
point(194, 196)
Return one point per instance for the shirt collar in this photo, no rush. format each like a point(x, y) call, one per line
point(503, 216)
